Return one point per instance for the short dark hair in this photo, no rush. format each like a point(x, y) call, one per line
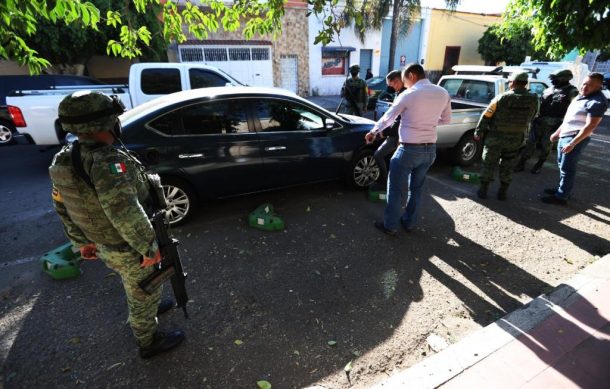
point(394, 74)
point(522, 84)
point(596, 76)
point(416, 69)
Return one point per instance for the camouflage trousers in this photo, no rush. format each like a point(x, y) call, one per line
point(142, 306)
point(354, 109)
point(542, 128)
point(503, 149)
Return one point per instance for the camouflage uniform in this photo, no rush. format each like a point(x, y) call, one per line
point(113, 216)
point(553, 107)
point(504, 125)
point(356, 92)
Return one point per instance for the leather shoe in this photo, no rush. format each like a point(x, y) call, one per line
point(165, 305)
point(381, 227)
point(553, 200)
point(163, 341)
point(407, 229)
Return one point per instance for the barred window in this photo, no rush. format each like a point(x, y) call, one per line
point(239, 54)
point(260, 54)
point(215, 54)
point(191, 54)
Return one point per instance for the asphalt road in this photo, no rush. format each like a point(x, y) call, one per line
point(330, 276)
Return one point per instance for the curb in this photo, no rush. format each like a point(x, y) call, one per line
point(449, 363)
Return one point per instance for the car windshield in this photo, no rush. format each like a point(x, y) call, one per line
point(376, 83)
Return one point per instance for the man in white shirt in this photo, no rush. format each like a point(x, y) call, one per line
point(422, 107)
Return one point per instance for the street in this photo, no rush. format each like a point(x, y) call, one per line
point(295, 307)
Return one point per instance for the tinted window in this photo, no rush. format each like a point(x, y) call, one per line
point(160, 81)
point(204, 79)
point(219, 117)
point(278, 115)
point(537, 88)
point(472, 90)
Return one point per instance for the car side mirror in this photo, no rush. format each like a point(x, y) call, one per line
point(329, 124)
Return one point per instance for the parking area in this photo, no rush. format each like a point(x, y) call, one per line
point(295, 307)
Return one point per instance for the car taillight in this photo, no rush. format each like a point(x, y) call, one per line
point(371, 92)
point(17, 116)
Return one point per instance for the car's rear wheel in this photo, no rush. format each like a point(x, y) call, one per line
point(6, 133)
point(467, 151)
point(181, 200)
point(363, 170)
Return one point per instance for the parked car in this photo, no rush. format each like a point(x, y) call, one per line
point(376, 85)
point(10, 118)
point(147, 81)
point(470, 95)
point(223, 142)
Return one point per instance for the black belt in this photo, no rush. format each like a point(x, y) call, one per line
point(417, 144)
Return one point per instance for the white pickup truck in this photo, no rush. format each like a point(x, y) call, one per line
point(146, 82)
point(470, 95)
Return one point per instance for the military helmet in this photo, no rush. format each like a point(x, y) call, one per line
point(565, 74)
point(87, 112)
point(354, 69)
point(519, 77)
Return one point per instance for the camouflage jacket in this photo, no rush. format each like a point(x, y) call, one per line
point(356, 92)
point(509, 113)
point(113, 214)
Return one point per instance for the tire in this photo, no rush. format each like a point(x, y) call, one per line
point(181, 200)
point(6, 133)
point(467, 151)
point(363, 170)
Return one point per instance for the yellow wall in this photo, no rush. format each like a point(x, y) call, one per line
point(456, 29)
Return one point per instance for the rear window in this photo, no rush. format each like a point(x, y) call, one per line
point(160, 81)
point(475, 91)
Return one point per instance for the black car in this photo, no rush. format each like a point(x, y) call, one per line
point(376, 86)
point(222, 142)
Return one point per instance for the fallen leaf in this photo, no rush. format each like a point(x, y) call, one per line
point(332, 343)
point(65, 369)
point(332, 236)
point(308, 209)
point(296, 352)
point(113, 274)
point(238, 342)
point(115, 365)
point(560, 331)
point(74, 340)
point(348, 367)
point(568, 260)
point(211, 348)
point(263, 384)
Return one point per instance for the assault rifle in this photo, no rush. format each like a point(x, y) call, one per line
point(170, 265)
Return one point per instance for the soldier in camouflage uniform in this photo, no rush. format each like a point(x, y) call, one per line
point(355, 92)
point(504, 125)
point(101, 196)
point(553, 107)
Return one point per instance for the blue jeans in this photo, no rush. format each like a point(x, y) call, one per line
point(567, 165)
point(408, 168)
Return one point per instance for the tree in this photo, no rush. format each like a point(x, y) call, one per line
point(558, 26)
point(509, 42)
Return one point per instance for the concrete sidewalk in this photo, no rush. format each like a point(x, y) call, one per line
point(560, 340)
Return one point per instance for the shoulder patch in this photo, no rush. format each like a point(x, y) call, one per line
point(118, 168)
point(56, 196)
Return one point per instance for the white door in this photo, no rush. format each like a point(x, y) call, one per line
point(251, 65)
point(289, 72)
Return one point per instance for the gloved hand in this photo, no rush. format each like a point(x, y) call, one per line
point(148, 261)
point(89, 251)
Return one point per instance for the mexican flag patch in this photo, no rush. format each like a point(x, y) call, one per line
point(118, 168)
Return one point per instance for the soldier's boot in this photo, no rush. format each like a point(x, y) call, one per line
point(163, 341)
point(502, 191)
point(538, 166)
point(520, 165)
point(165, 305)
point(482, 192)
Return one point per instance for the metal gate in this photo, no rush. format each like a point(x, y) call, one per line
point(289, 67)
point(251, 65)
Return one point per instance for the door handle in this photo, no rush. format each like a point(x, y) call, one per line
point(275, 148)
point(189, 156)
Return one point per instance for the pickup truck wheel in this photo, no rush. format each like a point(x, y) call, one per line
point(6, 133)
point(467, 151)
point(363, 170)
point(181, 200)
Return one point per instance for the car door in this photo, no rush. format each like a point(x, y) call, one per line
point(212, 144)
point(295, 144)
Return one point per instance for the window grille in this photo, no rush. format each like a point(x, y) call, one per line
point(191, 54)
point(260, 54)
point(239, 54)
point(215, 54)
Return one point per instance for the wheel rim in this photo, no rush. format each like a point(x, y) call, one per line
point(5, 134)
point(469, 150)
point(178, 203)
point(366, 171)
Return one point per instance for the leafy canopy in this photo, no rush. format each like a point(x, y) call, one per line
point(509, 42)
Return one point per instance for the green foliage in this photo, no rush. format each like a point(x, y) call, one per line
point(561, 25)
point(509, 42)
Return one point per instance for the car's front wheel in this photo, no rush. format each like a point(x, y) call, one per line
point(363, 170)
point(6, 133)
point(181, 200)
point(467, 151)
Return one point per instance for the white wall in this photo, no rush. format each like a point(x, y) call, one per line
point(331, 85)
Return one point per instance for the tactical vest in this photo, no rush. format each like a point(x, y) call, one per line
point(555, 101)
point(81, 201)
point(354, 90)
point(515, 111)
